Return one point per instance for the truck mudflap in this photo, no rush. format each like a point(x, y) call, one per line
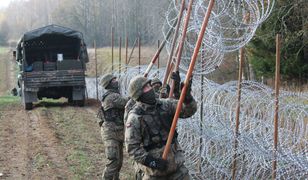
point(27, 97)
point(78, 93)
point(37, 79)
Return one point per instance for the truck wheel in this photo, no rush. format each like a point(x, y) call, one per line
point(70, 100)
point(28, 106)
point(80, 103)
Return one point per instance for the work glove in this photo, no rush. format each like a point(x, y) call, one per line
point(164, 91)
point(156, 163)
point(177, 82)
point(188, 96)
point(176, 77)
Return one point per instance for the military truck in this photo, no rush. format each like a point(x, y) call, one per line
point(52, 63)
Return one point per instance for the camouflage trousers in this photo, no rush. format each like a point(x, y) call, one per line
point(180, 174)
point(114, 153)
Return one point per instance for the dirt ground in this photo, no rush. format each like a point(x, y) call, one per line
point(53, 141)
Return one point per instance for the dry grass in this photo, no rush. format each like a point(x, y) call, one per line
point(104, 59)
point(79, 134)
point(3, 70)
point(7, 71)
point(226, 72)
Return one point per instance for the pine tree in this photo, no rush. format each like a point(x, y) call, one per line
point(289, 18)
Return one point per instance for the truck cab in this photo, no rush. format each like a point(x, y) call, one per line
point(52, 64)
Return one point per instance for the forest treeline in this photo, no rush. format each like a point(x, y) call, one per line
point(94, 18)
point(289, 18)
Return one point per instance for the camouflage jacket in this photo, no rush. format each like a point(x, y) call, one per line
point(131, 104)
point(113, 106)
point(128, 107)
point(147, 129)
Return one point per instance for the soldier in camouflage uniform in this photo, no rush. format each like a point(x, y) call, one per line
point(112, 127)
point(157, 86)
point(147, 129)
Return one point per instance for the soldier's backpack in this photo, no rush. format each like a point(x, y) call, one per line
point(111, 115)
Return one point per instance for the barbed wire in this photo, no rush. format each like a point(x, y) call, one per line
point(208, 144)
point(208, 137)
point(231, 26)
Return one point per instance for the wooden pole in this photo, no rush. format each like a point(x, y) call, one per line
point(179, 54)
point(201, 112)
point(96, 78)
point(158, 44)
point(277, 86)
point(238, 107)
point(187, 79)
point(112, 35)
point(139, 53)
point(112, 44)
point(162, 45)
point(131, 53)
point(120, 60)
point(173, 43)
point(169, 72)
point(126, 52)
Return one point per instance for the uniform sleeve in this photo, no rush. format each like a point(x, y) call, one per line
point(187, 111)
point(120, 102)
point(128, 107)
point(114, 100)
point(133, 139)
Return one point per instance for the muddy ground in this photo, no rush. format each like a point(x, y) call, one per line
point(53, 141)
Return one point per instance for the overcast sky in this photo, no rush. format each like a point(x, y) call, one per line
point(4, 3)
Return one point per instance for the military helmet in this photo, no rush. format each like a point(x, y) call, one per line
point(155, 81)
point(135, 88)
point(106, 80)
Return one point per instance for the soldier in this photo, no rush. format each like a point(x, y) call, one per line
point(147, 130)
point(112, 126)
point(157, 86)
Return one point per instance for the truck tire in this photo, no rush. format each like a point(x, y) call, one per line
point(70, 100)
point(28, 106)
point(80, 103)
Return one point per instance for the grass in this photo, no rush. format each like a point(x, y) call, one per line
point(50, 101)
point(8, 100)
point(3, 49)
point(40, 161)
point(79, 163)
point(5, 70)
point(104, 59)
point(78, 138)
point(79, 134)
point(2, 70)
